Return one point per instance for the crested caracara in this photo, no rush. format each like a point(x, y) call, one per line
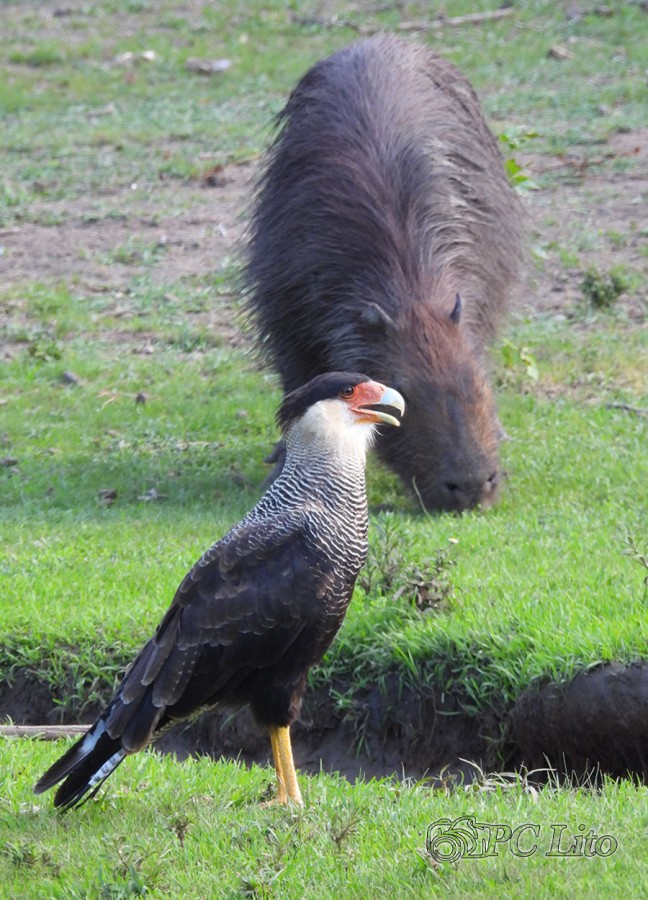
point(263, 604)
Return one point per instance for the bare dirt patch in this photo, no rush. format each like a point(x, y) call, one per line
point(88, 244)
point(596, 724)
point(402, 732)
point(101, 246)
point(593, 215)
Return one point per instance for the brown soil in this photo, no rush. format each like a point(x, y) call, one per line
point(595, 211)
point(196, 225)
point(401, 733)
point(192, 229)
point(596, 724)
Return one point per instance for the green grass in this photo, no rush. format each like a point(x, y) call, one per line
point(167, 414)
point(50, 131)
point(198, 830)
point(538, 591)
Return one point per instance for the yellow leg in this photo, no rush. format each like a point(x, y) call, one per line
point(282, 796)
point(288, 786)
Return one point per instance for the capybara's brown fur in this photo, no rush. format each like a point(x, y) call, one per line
point(385, 239)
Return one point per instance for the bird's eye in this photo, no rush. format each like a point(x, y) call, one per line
point(347, 392)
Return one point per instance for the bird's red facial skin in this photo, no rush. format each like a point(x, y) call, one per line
point(367, 394)
point(364, 394)
point(373, 403)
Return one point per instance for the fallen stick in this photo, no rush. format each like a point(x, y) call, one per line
point(582, 164)
point(418, 25)
point(637, 410)
point(454, 21)
point(43, 732)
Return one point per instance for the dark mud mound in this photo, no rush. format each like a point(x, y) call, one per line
point(595, 724)
point(417, 737)
point(389, 731)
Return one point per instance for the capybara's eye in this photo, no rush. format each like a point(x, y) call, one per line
point(347, 392)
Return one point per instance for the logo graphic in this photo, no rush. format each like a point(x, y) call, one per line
point(449, 840)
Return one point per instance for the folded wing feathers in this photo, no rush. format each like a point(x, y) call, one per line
point(217, 622)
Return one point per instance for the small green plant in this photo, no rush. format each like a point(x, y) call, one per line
point(513, 142)
point(514, 356)
point(24, 854)
point(428, 586)
point(636, 548)
point(345, 824)
point(617, 239)
point(602, 290)
point(134, 252)
point(568, 258)
point(45, 349)
point(385, 557)
point(424, 582)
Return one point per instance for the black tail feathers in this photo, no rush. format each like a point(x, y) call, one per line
point(84, 767)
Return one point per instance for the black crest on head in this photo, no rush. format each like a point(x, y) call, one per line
point(323, 387)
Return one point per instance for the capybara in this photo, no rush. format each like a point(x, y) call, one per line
point(385, 238)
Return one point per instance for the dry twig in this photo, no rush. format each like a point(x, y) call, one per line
point(418, 25)
point(43, 732)
point(637, 410)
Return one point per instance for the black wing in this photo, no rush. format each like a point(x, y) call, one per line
point(239, 609)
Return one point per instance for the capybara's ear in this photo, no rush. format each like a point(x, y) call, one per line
point(455, 315)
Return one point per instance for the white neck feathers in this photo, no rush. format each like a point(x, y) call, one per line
point(330, 428)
